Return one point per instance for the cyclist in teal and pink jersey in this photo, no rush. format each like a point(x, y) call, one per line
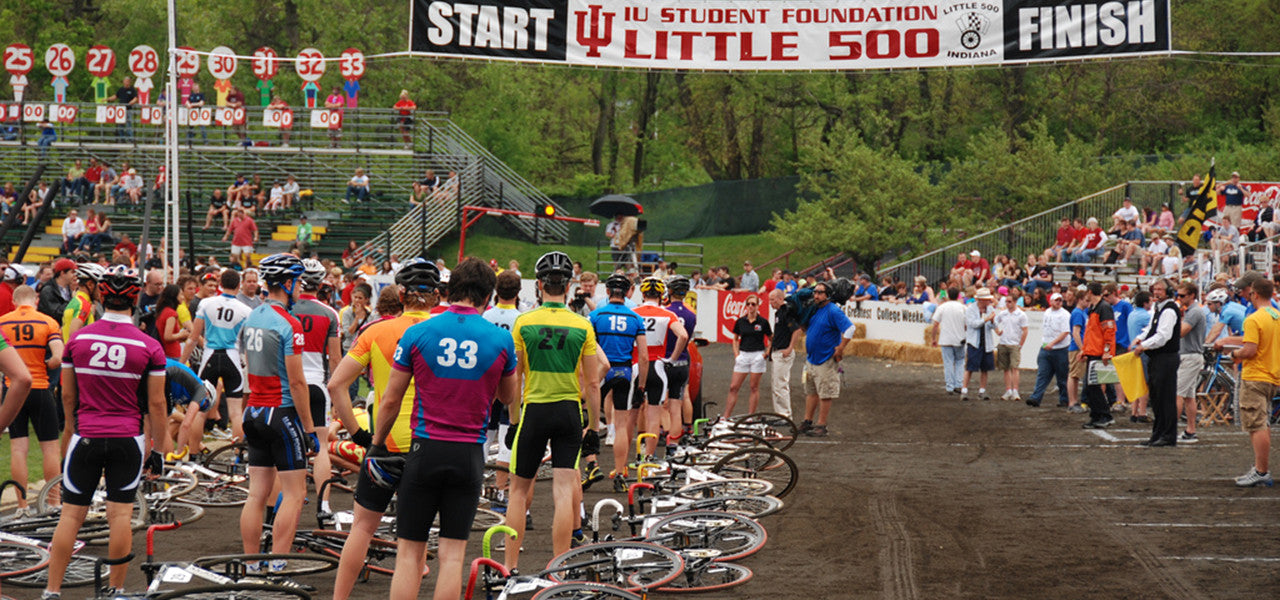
point(106, 367)
point(278, 431)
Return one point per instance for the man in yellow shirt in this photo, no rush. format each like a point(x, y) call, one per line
point(1260, 353)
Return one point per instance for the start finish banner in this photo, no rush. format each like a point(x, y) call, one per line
point(788, 35)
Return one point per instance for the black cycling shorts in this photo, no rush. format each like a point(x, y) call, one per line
point(275, 438)
point(497, 415)
point(371, 495)
point(655, 386)
point(440, 478)
point(677, 379)
point(90, 460)
point(219, 366)
point(319, 405)
point(618, 382)
point(559, 423)
point(41, 411)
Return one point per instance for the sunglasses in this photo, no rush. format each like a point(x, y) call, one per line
point(753, 304)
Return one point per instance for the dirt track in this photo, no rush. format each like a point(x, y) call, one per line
point(918, 495)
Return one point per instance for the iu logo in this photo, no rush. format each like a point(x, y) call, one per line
point(599, 35)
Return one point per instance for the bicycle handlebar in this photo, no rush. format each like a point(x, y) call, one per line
point(643, 468)
point(486, 546)
point(22, 491)
point(595, 512)
point(631, 491)
point(484, 562)
point(177, 456)
point(151, 535)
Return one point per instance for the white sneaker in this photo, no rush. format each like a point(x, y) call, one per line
point(608, 438)
point(1008, 395)
point(1254, 478)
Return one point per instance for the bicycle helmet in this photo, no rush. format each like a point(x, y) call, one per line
point(554, 263)
point(678, 285)
point(15, 272)
point(385, 471)
point(652, 286)
point(1218, 295)
point(90, 272)
point(418, 275)
point(312, 274)
point(617, 282)
point(119, 284)
point(280, 268)
point(210, 392)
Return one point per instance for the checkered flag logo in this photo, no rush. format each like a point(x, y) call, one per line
point(972, 25)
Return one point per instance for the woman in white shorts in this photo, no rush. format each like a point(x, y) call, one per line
point(750, 346)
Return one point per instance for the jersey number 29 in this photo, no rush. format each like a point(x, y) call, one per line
point(107, 356)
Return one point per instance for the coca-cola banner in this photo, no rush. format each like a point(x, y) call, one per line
point(730, 306)
point(789, 35)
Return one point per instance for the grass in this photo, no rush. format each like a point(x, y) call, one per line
point(722, 250)
point(34, 456)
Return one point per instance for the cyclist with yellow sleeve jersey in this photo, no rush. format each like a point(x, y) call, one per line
point(375, 349)
point(79, 311)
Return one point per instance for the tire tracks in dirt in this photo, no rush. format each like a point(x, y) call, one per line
point(896, 556)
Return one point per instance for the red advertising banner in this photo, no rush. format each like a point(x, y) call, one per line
point(733, 305)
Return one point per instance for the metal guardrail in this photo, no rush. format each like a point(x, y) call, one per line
point(425, 224)
point(687, 254)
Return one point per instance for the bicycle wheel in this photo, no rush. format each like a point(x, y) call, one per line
point(728, 442)
point(379, 558)
point(217, 494)
point(709, 577)
point(18, 558)
point(732, 536)
point(584, 591)
point(232, 459)
point(633, 566)
point(170, 484)
point(485, 519)
point(79, 573)
point(176, 512)
point(49, 501)
point(758, 463)
point(237, 591)
point(725, 487)
point(295, 564)
point(780, 431)
point(751, 507)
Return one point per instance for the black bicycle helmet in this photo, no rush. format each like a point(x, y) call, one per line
point(312, 274)
point(652, 286)
point(617, 282)
point(418, 275)
point(280, 268)
point(678, 285)
point(554, 263)
point(123, 283)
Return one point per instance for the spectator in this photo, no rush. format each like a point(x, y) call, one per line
point(237, 190)
point(335, 102)
point(108, 181)
point(358, 186)
point(824, 342)
point(948, 322)
point(961, 271)
point(250, 290)
point(1166, 221)
point(921, 293)
point(278, 103)
point(289, 192)
point(276, 199)
point(132, 185)
point(257, 192)
point(1227, 237)
point(1098, 346)
point(981, 268)
point(1191, 331)
point(1051, 362)
point(1126, 213)
point(1063, 242)
point(865, 290)
point(514, 266)
point(75, 185)
point(368, 267)
point(404, 119)
point(1260, 353)
point(127, 95)
point(1011, 327)
point(1079, 317)
point(1233, 199)
point(1041, 276)
point(127, 249)
point(1171, 264)
point(304, 234)
point(1155, 252)
point(243, 233)
point(94, 233)
point(170, 329)
point(217, 207)
point(781, 352)
point(56, 293)
point(235, 99)
point(35, 201)
point(72, 231)
point(750, 347)
point(1138, 320)
point(351, 255)
point(980, 342)
point(750, 280)
point(48, 135)
point(888, 291)
point(428, 185)
point(1091, 240)
point(1190, 195)
point(1128, 242)
point(196, 100)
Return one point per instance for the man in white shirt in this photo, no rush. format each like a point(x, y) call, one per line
point(1011, 326)
point(1128, 212)
point(289, 192)
point(72, 229)
point(949, 320)
point(276, 200)
point(1052, 360)
point(1155, 252)
point(358, 186)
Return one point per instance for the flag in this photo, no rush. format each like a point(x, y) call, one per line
point(1203, 205)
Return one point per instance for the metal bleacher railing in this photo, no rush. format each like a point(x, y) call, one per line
point(1033, 234)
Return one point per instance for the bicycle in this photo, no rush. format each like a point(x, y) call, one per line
point(602, 570)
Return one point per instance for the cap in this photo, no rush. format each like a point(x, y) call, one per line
point(1124, 288)
point(64, 264)
point(975, 253)
point(1002, 290)
point(1082, 288)
point(1235, 173)
point(983, 294)
point(1092, 220)
point(1055, 297)
point(1247, 280)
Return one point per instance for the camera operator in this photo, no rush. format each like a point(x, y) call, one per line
point(584, 298)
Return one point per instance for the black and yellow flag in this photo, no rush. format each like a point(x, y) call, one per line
point(1202, 206)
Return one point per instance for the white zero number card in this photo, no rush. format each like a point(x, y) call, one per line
point(152, 115)
point(110, 114)
point(279, 118)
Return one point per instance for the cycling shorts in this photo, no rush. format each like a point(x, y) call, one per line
point(41, 411)
point(440, 478)
point(618, 381)
point(275, 438)
point(371, 495)
point(557, 423)
point(677, 379)
point(655, 386)
point(320, 404)
point(220, 365)
point(90, 460)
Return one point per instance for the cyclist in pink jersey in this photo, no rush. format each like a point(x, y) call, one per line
point(106, 367)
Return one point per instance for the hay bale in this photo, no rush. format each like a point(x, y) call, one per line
point(894, 351)
point(859, 331)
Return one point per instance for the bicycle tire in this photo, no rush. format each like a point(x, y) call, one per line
point(79, 574)
point(485, 519)
point(758, 463)
point(217, 494)
point(232, 459)
point(737, 440)
point(751, 507)
point(725, 487)
point(633, 566)
point(779, 430)
point(173, 483)
point(19, 558)
point(584, 591)
point(380, 558)
point(177, 512)
point(711, 577)
point(295, 563)
point(237, 591)
point(731, 536)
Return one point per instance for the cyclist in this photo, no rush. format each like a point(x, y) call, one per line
point(38, 342)
point(658, 322)
point(461, 363)
point(277, 419)
point(188, 399)
point(216, 329)
point(320, 355)
point(106, 368)
point(503, 314)
point(555, 347)
point(375, 350)
point(679, 406)
point(79, 311)
point(620, 332)
point(1225, 317)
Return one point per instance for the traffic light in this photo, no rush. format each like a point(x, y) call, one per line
point(545, 210)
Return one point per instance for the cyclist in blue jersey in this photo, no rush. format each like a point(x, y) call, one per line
point(1226, 317)
point(460, 363)
point(217, 325)
point(277, 429)
point(188, 399)
point(620, 334)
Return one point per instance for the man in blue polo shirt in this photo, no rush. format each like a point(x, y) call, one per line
point(825, 334)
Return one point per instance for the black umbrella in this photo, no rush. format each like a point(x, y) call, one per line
point(616, 204)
